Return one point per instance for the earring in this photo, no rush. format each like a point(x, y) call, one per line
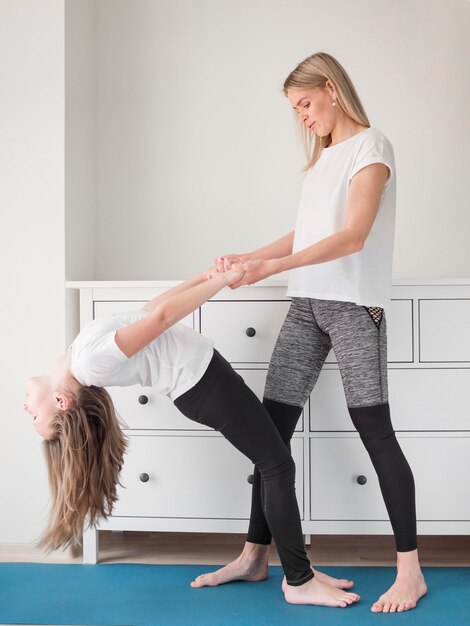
point(333, 102)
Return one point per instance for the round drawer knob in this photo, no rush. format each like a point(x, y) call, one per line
point(251, 332)
point(250, 479)
point(144, 477)
point(361, 480)
point(143, 399)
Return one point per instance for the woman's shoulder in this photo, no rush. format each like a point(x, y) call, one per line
point(376, 134)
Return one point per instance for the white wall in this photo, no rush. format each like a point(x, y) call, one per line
point(196, 153)
point(32, 257)
point(80, 163)
point(180, 146)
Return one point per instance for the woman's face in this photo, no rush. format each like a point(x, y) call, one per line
point(314, 108)
point(41, 402)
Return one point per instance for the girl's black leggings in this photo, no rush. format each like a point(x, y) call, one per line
point(222, 400)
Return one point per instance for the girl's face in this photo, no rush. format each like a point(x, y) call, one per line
point(41, 402)
point(314, 108)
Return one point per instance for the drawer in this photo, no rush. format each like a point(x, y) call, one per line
point(399, 333)
point(420, 400)
point(195, 477)
point(102, 308)
point(229, 322)
point(444, 331)
point(157, 412)
point(336, 463)
point(141, 408)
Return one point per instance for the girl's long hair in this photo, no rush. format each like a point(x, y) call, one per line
point(84, 458)
point(315, 71)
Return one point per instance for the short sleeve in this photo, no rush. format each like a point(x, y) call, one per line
point(375, 148)
point(100, 359)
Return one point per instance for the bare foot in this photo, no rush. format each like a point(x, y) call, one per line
point(339, 583)
point(317, 592)
point(251, 565)
point(403, 595)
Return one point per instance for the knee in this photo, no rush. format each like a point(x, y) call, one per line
point(278, 469)
point(374, 425)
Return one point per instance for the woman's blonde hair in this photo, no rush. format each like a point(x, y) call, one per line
point(84, 458)
point(315, 71)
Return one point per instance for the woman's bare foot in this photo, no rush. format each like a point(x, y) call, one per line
point(251, 565)
point(319, 593)
point(408, 588)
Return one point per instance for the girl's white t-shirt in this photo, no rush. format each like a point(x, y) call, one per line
point(172, 363)
point(364, 277)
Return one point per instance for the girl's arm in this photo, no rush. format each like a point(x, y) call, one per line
point(187, 284)
point(137, 335)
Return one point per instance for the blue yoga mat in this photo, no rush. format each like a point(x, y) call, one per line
point(128, 594)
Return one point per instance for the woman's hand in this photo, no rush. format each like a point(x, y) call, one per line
point(254, 271)
point(230, 276)
point(224, 263)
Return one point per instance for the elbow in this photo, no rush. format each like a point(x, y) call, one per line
point(355, 242)
point(164, 314)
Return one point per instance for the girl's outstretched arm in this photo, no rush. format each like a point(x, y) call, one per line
point(135, 336)
point(187, 284)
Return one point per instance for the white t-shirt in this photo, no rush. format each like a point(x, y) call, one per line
point(172, 363)
point(366, 276)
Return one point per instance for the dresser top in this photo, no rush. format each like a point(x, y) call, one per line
point(269, 282)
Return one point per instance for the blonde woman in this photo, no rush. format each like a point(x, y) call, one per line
point(340, 262)
point(85, 446)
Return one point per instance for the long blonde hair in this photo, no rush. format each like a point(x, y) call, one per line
point(84, 458)
point(315, 71)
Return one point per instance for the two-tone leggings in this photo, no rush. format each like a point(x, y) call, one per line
point(222, 400)
point(358, 336)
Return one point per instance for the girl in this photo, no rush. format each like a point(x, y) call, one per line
point(85, 447)
point(340, 257)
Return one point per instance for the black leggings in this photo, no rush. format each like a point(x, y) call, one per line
point(222, 400)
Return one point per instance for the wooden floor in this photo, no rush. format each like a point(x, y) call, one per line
point(209, 549)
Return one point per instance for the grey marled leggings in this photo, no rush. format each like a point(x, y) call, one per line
point(312, 327)
point(358, 336)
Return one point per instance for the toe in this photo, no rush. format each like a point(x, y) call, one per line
point(401, 607)
point(393, 607)
point(386, 607)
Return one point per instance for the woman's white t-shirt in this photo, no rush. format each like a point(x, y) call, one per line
point(172, 363)
point(364, 277)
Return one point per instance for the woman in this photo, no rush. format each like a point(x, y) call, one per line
point(85, 447)
point(340, 257)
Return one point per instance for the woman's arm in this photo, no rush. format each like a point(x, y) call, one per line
point(362, 204)
point(279, 248)
point(137, 335)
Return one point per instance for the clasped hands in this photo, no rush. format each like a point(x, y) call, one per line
point(252, 270)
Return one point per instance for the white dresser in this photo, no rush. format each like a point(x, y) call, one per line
point(179, 476)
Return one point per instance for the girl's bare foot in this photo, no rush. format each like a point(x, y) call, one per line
point(251, 565)
point(408, 588)
point(316, 592)
point(339, 583)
